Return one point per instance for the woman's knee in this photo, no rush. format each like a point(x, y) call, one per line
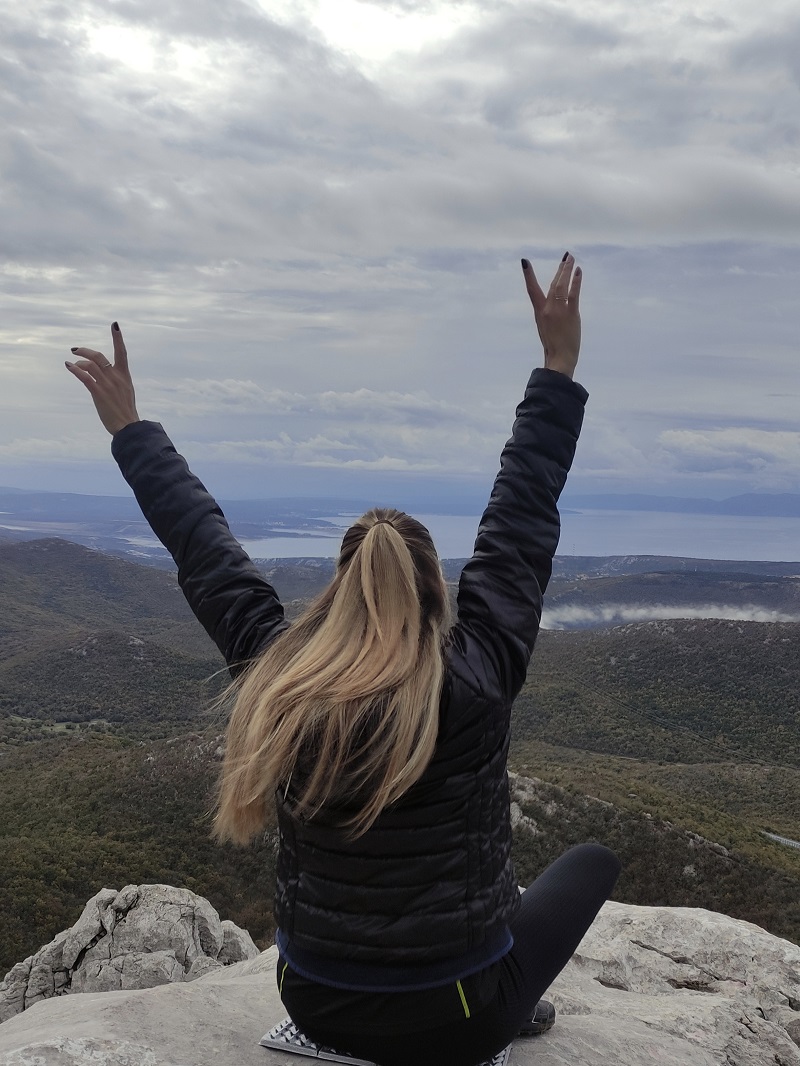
point(601, 859)
point(590, 861)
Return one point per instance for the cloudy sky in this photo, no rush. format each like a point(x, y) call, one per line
point(308, 215)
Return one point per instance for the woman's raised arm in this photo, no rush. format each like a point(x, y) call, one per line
point(501, 587)
point(232, 599)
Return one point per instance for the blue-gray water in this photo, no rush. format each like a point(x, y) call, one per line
point(596, 533)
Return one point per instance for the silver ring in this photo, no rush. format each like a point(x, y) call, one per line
point(105, 366)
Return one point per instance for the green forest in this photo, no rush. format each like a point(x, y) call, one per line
point(678, 745)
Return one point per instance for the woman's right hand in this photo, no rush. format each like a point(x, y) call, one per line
point(109, 384)
point(557, 316)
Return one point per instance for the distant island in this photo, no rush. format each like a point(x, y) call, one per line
point(762, 504)
point(748, 526)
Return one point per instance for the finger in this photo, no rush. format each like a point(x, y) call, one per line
point(96, 357)
point(537, 297)
point(91, 368)
point(575, 288)
point(82, 375)
point(120, 351)
point(560, 282)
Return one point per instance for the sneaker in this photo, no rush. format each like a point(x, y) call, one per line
point(542, 1019)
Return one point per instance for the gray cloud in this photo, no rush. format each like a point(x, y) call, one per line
point(771, 452)
point(331, 239)
point(195, 397)
point(283, 129)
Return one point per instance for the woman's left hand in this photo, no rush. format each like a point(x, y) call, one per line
point(109, 384)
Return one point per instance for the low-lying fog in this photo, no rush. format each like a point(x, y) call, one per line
point(575, 617)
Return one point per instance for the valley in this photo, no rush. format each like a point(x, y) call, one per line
point(674, 740)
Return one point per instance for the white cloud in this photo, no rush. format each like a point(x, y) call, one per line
point(314, 452)
point(368, 445)
point(372, 33)
point(89, 447)
point(735, 448)
point(201, 396)
point(560, 617)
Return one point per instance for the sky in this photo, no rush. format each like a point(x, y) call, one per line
point(308, 215)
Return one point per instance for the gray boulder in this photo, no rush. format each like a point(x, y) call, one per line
point(717, 985)
point(681, 987)
point(143, 936)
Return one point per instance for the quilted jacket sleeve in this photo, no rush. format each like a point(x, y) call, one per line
point(231, 598)
point(501, 587)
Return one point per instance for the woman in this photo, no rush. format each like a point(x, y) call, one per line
point(382, 736)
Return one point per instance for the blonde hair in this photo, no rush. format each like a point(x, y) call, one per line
point(342, 710)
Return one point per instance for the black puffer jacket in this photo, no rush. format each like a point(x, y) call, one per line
point(432, 880)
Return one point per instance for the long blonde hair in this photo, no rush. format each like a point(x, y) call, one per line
point(343, 708)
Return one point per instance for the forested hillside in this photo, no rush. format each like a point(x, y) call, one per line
point(663, 863)
point(686, 733)
point(688, 690)
point(82, 811)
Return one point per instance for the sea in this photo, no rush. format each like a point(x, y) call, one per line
point(590, 532)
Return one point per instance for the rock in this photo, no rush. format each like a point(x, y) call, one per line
point(718, 984)
point(13, 988)
point(238, 944)
point(677, 986)
point(92, 924)
point(143, 936)
point(134, 969)
point(201, 966)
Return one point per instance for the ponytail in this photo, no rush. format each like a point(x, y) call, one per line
point(342, 710)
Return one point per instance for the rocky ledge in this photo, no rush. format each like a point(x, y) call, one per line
point(143, 936)
point(677, 986)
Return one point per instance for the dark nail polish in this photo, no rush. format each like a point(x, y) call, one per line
point(115, 325)
point(566, 256)
point(525, 264)
point(73, 350)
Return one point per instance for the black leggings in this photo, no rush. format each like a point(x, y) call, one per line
point(467, 1023)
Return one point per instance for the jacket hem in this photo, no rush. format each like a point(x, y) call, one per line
point(368, 977)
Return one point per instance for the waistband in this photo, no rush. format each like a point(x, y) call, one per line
point(367, 977)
